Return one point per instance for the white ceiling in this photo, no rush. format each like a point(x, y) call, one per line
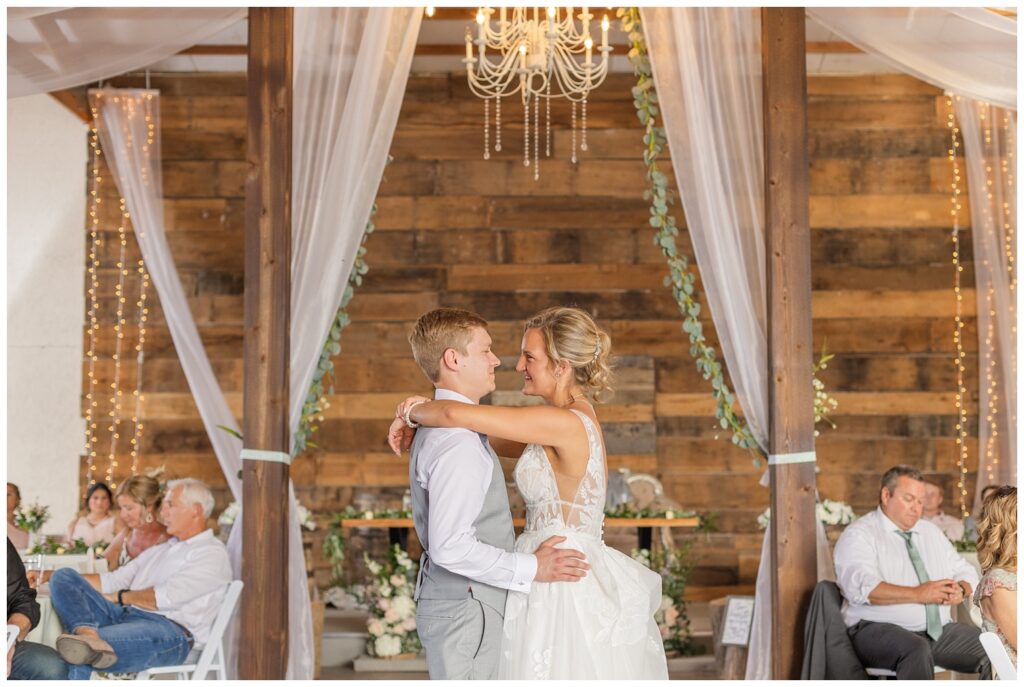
point(451, 32)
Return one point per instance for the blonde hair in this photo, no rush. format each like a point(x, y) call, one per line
point(570, 334)
point(997, 530)
point(142, 489)
point(437, 331)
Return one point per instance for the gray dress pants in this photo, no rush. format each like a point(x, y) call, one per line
point(914, 655)
point(462, 638)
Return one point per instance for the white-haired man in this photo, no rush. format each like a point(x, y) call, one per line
point(151, 611)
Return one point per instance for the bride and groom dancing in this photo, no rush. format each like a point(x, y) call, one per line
point(556, 603)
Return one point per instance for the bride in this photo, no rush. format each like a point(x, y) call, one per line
point(602, 627)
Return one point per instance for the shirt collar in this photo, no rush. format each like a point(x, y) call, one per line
point(449, 395)
point(890, 526)
point(195, 538)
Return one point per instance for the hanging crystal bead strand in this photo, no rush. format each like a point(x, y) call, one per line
point(487, 132)
point(536, 138)
point(526, 132)
point(497, 124)
point(547, 127)
point(583, 144)
point(574, 132)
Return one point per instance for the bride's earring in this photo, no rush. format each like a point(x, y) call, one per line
point(149, 518)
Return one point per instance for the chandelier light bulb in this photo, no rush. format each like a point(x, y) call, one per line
point(480, 17)
point(429, 11)
point(551, 12)
point(589, 43)
point(604, 23)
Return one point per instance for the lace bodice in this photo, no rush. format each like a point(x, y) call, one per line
point(555, 501)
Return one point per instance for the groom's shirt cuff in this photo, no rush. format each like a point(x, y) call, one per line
point(525, 572)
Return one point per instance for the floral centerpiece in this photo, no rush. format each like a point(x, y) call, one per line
point(829, 513)
point(388, 597)
point(55, 546)
point(31, 518)
point(675, 566)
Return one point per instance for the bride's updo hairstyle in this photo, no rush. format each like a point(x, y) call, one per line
point(571, 334)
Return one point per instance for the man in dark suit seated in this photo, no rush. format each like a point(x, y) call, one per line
point(27, 660)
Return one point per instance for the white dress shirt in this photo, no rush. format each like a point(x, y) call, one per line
point(189, 578)
point(871, 551)
point(456, 469)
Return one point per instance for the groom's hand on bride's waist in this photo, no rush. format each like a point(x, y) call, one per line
point(559, 565)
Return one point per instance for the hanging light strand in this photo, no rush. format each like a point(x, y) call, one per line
point(91, 403)
point(958, 362)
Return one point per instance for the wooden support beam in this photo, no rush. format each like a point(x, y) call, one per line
point(76, 101)
point(264, 649)
point(790, 394)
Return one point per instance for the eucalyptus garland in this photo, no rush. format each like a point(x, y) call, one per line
point(323, 377)
point(680, 278)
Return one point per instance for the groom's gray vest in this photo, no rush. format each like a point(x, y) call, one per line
point(493, 526)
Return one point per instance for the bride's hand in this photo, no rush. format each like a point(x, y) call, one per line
point(407, 403)
point(400, 436)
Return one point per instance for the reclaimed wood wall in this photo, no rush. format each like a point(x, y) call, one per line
point(456, 230)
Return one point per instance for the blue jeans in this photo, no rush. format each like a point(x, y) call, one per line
point(33, 661)
point(139, 638)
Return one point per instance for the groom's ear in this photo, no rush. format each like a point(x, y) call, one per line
point(450, 359)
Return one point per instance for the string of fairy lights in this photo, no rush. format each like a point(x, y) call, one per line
point(958, 319)
point(118, 422)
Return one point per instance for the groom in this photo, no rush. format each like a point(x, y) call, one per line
point(461, 512)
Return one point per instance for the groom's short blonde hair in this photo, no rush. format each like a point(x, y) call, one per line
point(437, 331)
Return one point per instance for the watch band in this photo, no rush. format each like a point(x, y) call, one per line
point(120, 597)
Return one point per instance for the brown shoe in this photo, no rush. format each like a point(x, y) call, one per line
point(86, 650)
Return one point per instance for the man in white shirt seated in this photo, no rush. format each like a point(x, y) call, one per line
point(899, 576)
point(151, 611)
point(951, 526)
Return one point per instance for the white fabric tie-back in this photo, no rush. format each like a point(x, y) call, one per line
point(51, 48)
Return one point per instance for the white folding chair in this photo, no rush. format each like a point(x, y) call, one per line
point(211, 657)
point(997, 656)
point(885, 673)
point(12, 635)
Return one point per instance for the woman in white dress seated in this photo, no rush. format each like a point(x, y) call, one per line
point(95, 524)
point(603, 626)
point(138, 502)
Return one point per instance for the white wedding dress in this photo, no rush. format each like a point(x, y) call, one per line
point(601, 627)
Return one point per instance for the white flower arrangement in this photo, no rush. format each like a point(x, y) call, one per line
point(230, 514)
point(388, 597)
point(829, 512)
point(31, 518)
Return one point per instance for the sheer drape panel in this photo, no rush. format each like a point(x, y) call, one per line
point(968, 50)
point(707, 71)
point(50, 49)
point(989, 136)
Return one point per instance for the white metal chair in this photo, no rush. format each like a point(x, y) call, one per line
point(997, 656)
point(885, 673)
point(12, 635)
point(211, 657)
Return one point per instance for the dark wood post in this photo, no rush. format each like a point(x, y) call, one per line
point(264, 648)
point(790, 358)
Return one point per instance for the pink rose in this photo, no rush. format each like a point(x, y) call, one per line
point(671, 616)
point(384, 604)
point(391, 616)
point(409, 624)
point(664, 631)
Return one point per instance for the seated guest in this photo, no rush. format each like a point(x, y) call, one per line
point(951, 526)
point(138, 502)
point(899, 576)
point(17, 536)
point(151, 611)
point(95, 523)
point(971, 523)
point(997, 554)
point(27, 660)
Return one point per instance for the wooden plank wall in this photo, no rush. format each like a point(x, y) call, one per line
point(454, 229)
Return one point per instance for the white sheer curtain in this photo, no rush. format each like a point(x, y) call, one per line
point(989, 135)
point(968, 50)
point(52, 48)
point(350, 69)
point(707, 71)
point(351, 66)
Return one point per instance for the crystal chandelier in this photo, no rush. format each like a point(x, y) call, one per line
point(538, 57)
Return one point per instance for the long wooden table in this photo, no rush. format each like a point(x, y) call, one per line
point(398, 528)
